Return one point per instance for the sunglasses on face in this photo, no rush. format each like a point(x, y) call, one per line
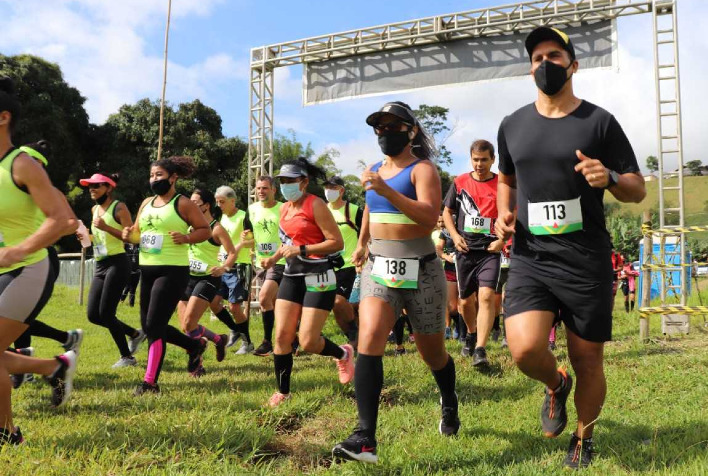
point(96, 185)
point(389, 127)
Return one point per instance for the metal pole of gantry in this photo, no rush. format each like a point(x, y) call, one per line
point(647, 244)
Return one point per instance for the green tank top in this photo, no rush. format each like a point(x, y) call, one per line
point(105, 244)
point(19, 215)
point(234, 227)
point(156, 246)
point(265, 223)
point(203, 256)
point(350, 235)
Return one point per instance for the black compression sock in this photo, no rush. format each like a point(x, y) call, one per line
point(445, 378)
point(368, 382)
point(283, 364)
point(332, 350)
point(242, 327)
point(268, 323)
point(626, 306)
point(631, 306)
point(398, 331)
point(226, 318)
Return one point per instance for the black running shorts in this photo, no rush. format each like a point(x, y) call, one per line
point(202, 287)
point(476, 269)
point(583, 303)
point(294, 289)
point(345, 281)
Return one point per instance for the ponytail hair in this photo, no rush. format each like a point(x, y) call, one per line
point(181, 165)
point(314, 173)
point(114, 176)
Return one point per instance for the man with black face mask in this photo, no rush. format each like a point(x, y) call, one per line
point(556, 158)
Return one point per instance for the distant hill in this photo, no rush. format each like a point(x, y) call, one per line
point(695, 201)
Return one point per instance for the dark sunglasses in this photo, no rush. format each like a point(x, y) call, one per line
point(389, 127)
point(96, 185)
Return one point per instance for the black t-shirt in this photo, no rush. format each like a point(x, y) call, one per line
point(540, 151)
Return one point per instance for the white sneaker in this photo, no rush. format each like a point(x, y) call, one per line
point(246, 348)
point(134, 342)
point(125, 362)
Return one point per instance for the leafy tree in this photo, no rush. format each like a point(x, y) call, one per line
point(51, 110)
point(434, 120)
point(652, 163)
point(694, 166)
point(626, 233)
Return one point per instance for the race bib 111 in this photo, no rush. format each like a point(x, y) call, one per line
point(321, 282)
point(555, 218)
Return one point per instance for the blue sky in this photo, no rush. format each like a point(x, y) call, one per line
point(112, 52)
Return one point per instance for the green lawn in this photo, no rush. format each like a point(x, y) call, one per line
point(655, 420)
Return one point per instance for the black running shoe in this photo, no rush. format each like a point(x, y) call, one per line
point(145, 387)
point(580, 453)
point(264, 350)
point(479, 357)
point(200, 372)
point(358, 447)
point(11, 438)
point(554, 416)
point(221, 347)
point(450, 421)
point(195, 356)
point(62, 379)
point(399, 352)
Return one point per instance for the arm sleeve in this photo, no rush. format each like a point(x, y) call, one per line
point(359, 217)
point(619, 155)
point(451, 197)
point(506, 165)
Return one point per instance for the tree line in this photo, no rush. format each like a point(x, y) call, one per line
point(127, 142)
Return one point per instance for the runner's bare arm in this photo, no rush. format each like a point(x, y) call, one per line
point(131, 234)
point(222, 237)
point(506, 203)
point(363, 243)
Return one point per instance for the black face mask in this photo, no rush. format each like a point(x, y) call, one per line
point(393, 143)
point(160, 187)
point(550, 77)
point(102, 199)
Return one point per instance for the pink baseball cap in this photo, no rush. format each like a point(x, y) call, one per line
point(97, 178)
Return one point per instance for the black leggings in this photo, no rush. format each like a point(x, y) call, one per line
point(112, 274)
point(160, 290)
point(398, 328)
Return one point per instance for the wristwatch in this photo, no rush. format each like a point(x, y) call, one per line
point(612, 178)
point(303, 251)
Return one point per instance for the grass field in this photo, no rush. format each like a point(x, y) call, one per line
point(655, 420)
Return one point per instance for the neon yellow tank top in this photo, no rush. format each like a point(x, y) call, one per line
point(105, 244)
point(234, 227)
point(19, 215)
point(156, 246)
point(203, 256)
point(265, 223)
point(350, 235)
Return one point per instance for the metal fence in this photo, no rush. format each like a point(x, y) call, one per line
point(70, 271)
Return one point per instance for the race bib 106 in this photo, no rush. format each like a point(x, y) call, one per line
point(401, 273)
point(321, 282)
point(151, 243)
point(555, 218)
point(478, 225)
point(267, 249)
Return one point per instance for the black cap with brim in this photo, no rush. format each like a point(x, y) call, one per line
point(334, 181)
point(395, 109)
point(291, 171)
point(545, 33)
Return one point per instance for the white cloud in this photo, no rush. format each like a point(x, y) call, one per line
point(101, 48)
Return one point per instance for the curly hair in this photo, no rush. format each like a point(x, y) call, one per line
point(181, 165)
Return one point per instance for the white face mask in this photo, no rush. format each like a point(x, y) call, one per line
point(331, 194)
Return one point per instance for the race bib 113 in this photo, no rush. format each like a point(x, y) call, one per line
point(555, 218)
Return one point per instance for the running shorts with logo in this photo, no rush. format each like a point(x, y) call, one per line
point(345, 281)
point(274, 273)
point(476, 269)
point(312, 291)
point(236, 283)
point(426, 303)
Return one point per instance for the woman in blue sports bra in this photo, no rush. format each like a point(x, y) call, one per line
point(401, 270)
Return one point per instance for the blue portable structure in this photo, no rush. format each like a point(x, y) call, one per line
point(672, 255)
